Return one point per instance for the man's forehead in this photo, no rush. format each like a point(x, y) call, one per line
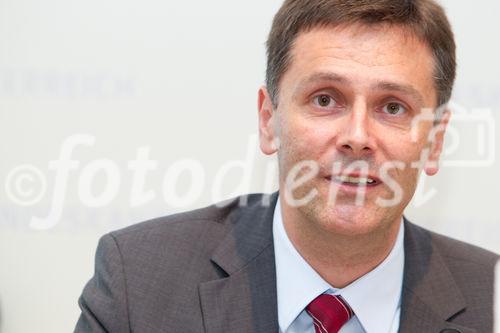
point(358, 38)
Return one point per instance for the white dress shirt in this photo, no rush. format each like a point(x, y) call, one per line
point(375, 297)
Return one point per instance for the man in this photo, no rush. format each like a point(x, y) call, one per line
point(354, 107)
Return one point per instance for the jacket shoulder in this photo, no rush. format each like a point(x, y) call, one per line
point(162, 262)
point(216, 217)
point(453, 249)
point(459, 251)
point(452, 274)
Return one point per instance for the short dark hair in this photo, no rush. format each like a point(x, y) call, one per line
point(424, 18)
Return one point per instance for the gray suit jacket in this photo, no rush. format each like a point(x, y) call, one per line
point(212, 270)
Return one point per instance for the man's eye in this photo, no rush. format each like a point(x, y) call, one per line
point(394, 109)
point(324, 101)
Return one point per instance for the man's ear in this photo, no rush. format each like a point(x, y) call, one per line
point(436, 137)
point(267, 131)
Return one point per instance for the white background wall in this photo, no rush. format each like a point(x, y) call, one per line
point(180, 79)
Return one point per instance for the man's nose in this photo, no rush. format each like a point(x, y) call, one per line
point(355, 137)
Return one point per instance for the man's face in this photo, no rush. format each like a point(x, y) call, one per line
point(350, 101)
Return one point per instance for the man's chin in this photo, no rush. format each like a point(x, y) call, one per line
point(347, 219)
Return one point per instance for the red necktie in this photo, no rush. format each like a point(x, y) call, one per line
point(329, 313)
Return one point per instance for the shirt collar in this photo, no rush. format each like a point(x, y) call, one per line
point(298, 283)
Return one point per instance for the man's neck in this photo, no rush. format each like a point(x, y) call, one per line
point(338, 258)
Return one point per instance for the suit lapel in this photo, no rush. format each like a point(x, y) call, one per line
point(245, 300)
point(430, 296)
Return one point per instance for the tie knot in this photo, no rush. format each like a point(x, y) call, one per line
point(329, 313)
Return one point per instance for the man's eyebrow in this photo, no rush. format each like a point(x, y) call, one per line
point(320, 77)
point(402, 88)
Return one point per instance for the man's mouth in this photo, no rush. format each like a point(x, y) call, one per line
point(354, 180)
